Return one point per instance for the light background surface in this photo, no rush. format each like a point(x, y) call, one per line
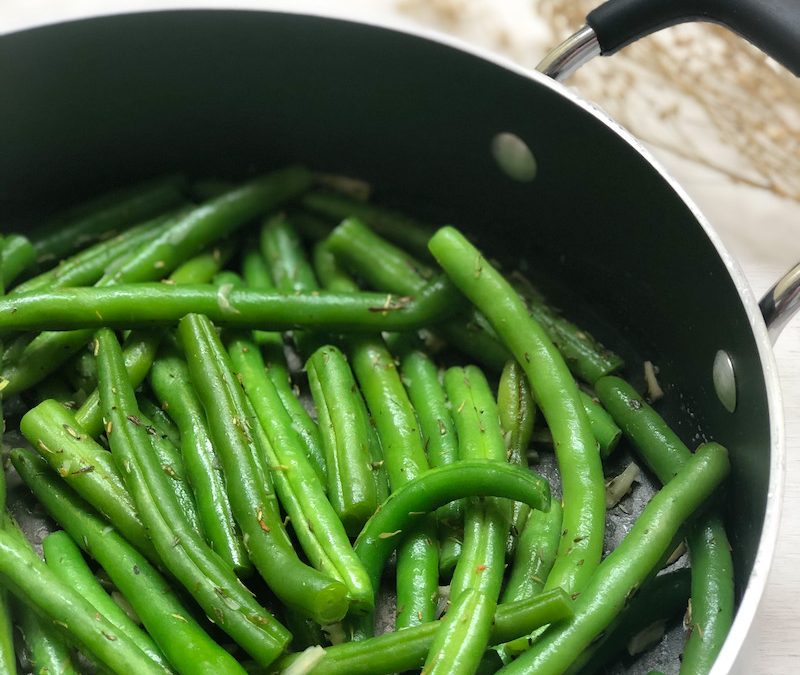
point(760, 229)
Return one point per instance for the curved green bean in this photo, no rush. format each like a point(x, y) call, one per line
point(249, 490)
point(298, 486)
point(482, 562)
point(171, 382)
point(403, 509)
point(64, 558)
point(555, 392)
point(186, 645)
point(345, 430)
point(201, 571)
point(629, 566)
point(463, 635)
point(603, 426)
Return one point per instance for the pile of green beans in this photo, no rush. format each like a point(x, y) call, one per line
point(261, 412)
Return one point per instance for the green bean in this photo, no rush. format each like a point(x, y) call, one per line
point(587, 359)
point(517, 413)
point(186, 237)
point(629, 566)
point(712, 595)
point(254, 508)
point(257, 276)
point(436, 487)
point(330, 273)
point(141, 346)
point(421, 378)
point(34, 583)
point(46, 650)
point(345, 430)
point(406, 649)
point(88, 266)
point(139, 350)
point(3, 380)
point(482, 562)
point(186, 645)
point(287, 262)
point(556, 393)
point(8, 661)
point(110, 212)
point(170, 381)
point(389, 224)
point(398, 272)
point(657, 444)
point(603, 426)
point(18, 255)
point(170, 461)
point(201, 571)
point(463, 635)
point(298, 486)
point(64, 558)
point(157, 304)
point(535, 554)
point(159, 419)
point(709, 550)
point(661, 600)
point(404, 456)
point(88, 468)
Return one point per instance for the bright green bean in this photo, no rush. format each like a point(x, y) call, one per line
point(46, 651)
point(298, 486)
point(8, 661)
point(402, 511)
point(404, 456)
point(86, 467)
point(604, 428)
point(482, 562)
point(709, 550)
point(463, 635)
point(257, 276)
point(345, 430)
point(629, 566)
point(64, 558)
point(34, 583)
point(171, 382)
point(249, 490)
point(556, 393)
point(186, 645)
point(287, 262)
point(161, 422)
point(201, 571)
point(153, 304)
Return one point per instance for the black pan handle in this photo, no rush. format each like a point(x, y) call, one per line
point(771, 25)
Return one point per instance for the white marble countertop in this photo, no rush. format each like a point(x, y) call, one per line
point(761, 230)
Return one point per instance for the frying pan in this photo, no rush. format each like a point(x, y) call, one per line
point(95, 103)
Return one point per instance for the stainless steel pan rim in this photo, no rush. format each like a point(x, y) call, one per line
point(757, 580)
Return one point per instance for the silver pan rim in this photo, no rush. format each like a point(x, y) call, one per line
point(756, 584)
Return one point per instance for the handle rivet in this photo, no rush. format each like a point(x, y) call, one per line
point(514, 157)
point(724, 379)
